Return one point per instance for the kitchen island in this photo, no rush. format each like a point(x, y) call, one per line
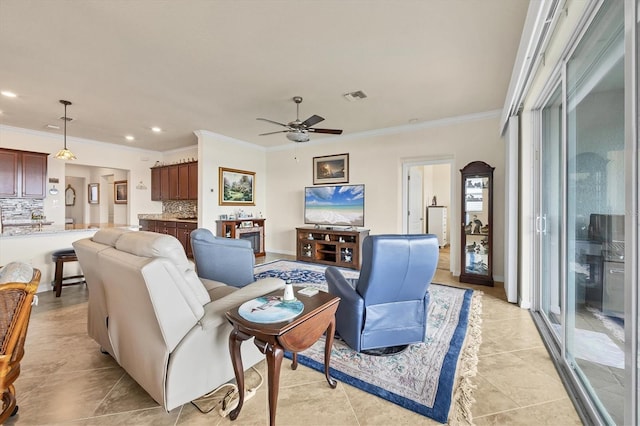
point(34, 245)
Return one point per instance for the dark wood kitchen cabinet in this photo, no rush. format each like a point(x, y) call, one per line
point(23, 174)
point(175, 182)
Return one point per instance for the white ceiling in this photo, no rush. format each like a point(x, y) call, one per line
point(217, 65)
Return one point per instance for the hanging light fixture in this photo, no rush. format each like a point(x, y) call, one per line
point(65, 154)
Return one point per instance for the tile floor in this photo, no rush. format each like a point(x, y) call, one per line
point(66, 380)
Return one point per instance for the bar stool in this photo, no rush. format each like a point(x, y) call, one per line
point(60, 257)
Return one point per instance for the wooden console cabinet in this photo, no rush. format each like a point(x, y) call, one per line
point(330, 246)
point(251, 229)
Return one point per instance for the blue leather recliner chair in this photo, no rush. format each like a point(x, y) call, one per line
point(222, 259)
point(387, 306)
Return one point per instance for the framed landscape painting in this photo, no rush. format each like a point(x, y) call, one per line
point(237, 187)
point(331, 169)
point(120, 192)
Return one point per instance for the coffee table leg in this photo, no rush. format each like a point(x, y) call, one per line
point(274, 361)
point(328, 344)
point(235, 341)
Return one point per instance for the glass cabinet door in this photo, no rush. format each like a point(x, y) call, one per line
point(477, 218)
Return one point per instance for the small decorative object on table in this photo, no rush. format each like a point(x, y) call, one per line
point(308, 291)
point(288, 292)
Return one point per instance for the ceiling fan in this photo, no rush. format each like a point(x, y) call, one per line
point(298, 131)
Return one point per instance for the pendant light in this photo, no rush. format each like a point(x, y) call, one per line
point(65, 154)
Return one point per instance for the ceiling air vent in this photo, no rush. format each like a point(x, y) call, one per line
point(66, 118)
point(355, 96)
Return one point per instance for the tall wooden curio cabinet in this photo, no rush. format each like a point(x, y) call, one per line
point(477, 224)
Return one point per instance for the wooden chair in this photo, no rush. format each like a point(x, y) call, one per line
point(15, 310)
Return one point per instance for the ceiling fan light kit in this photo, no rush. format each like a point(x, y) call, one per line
point(298, 136)
point(298, 131)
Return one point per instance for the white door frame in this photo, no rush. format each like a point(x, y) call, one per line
point(415, 199)
point(454, 209)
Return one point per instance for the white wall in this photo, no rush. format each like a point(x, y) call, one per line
point(376, 161)
point(441, 184)
point(216, 151)
point(134, 164)
point(180, 155)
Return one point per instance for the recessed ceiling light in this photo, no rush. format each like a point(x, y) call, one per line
point(53, 126)
point(8, 94)
point(413, 121)
point(129, 137)
point(156, 129)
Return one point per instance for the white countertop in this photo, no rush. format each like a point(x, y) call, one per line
point(12, 231)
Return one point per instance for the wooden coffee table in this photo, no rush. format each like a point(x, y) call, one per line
point(273, 339)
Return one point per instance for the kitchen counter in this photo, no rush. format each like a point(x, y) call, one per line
point(24, 230)
point(34, 246)
point(167, 217)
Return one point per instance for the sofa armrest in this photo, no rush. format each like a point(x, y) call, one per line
point(248, 292)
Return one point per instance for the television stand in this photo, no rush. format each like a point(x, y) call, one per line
point(337, 247)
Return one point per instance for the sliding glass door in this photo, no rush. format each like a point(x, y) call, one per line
point(595, 211)
point(549, 221)
point(583, 181)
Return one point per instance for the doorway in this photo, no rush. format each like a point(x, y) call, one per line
point(427, 204)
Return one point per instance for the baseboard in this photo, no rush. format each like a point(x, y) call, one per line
point(287, 252)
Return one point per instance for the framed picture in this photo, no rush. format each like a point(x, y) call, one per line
point(69, 196)
point(331, 169)
point(94, 193)
point(120, 192)
point(237, 187)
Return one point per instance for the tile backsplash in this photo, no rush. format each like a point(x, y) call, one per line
point(20, 208)
point(180, 208)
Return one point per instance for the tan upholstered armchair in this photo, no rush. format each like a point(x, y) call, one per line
point(15, 311)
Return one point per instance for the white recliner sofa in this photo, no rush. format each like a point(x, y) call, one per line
point(164, 325)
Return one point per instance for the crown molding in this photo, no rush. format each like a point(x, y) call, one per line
point(41, 133)
point(405, 128)
point(224, 138)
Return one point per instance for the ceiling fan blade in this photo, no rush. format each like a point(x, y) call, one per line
point(311, 121)
point(273, 133)
point(329, 131)
point(271, 121)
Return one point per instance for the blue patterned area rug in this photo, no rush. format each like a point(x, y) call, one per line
point(432, 378)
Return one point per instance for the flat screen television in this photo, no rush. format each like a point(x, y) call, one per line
point(335, 205)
